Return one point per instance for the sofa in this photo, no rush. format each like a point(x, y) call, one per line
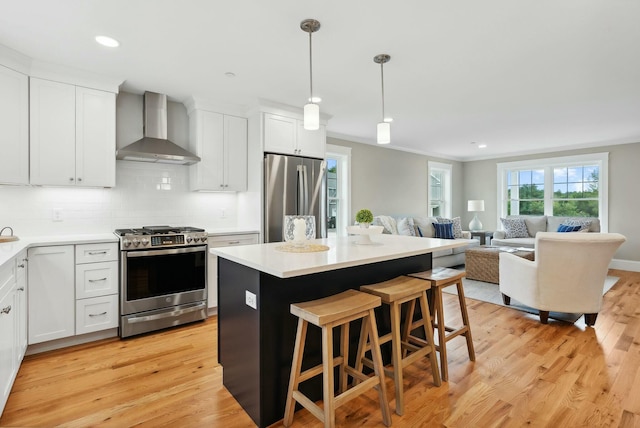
point(512, 234)
point(423, 227)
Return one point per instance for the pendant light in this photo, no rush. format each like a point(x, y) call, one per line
point(384, 127)
point(311, 110)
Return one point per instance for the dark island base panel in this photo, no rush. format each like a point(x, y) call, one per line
point(255, 347)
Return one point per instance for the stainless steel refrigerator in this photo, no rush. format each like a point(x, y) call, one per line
point(293, 185)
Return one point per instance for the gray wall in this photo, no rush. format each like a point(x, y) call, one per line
point(479, 182)
point(393, 182)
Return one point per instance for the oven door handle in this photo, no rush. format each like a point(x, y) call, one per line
point(171, 314)
point(147, 253)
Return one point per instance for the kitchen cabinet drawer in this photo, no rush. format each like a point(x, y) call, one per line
point(96, 279)
point(92, 253)
point(97, 313)
point(229, 240)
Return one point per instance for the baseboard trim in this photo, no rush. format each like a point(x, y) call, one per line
point(71, 341)
point(630, 265)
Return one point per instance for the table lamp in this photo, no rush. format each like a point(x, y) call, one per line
point(475, 206)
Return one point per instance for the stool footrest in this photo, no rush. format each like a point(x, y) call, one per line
point(315, 371)
point(309, 405)
point(356, 390)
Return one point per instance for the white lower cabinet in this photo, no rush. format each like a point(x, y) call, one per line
point(51, 293)
point(96, 287)
point(96, 313)
point(212, 262)
point(8, 346)
point(21, 261)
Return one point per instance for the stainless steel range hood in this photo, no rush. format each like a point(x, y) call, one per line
point(154, 146)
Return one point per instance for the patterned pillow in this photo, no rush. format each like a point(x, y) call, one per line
point(406, 226)
point(568, 228)
point(443, 230)
point(582, 222)
point(457, 225)
point(514, 227)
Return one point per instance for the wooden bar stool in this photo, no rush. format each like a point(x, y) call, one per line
point(440, 278)
point(327, 313)
point(395, 293)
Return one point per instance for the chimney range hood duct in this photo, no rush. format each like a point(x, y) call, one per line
point(154, 146)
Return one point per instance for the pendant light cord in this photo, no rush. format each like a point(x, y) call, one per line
point(310, 70)
point(382, 78)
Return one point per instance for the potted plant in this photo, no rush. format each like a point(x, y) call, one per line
point(364, 217)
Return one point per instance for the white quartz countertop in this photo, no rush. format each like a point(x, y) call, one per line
point(9, 250)
point(343, 252)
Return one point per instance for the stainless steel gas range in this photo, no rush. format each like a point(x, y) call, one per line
point(163, 277)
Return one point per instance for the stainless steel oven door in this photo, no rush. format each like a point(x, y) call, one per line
point(154, 279)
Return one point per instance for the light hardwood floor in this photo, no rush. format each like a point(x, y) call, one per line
point(526, 373)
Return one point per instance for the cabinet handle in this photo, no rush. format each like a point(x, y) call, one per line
point(21, 266)
point(98, 315)
point(79, 178)
point(70, 178)
point(6, 310)
point(95, 253)
point(97, 280)
point(233, 242)
point(20, 288)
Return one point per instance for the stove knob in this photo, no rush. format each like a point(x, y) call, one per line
point(189, 239)
point(144, 241)
point(135, 242)
point(126, 243)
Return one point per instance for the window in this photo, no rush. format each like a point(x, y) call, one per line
point(338, 188)
point(573, 186)
point(439, 189)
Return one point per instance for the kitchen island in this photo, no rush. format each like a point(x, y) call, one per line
point(257, 284)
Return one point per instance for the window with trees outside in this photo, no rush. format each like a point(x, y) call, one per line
point(573, 186)
point(439, 189)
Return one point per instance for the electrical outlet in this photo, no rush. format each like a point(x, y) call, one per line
point(250, 299)
point(223, 213)
point(56, 214)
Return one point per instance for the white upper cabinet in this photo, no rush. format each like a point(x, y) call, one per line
point(221, 142)
point(72, 135)
point(14, 127)
point(287, 135)
point(95, 138)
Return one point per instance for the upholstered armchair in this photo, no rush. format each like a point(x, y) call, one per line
point(568, 273)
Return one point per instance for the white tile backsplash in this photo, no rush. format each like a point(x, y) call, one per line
point(145, 194)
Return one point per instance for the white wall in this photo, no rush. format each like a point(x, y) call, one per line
point(145, 194)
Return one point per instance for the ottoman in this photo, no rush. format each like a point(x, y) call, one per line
point(481, 263)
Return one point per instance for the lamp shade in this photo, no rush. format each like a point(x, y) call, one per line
point(384, 133)
point(475, 205)
point(311, 117)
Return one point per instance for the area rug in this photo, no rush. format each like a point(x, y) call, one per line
point(488, 292)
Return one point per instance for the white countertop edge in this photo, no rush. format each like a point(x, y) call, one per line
point(246, 255)
point(8, 250)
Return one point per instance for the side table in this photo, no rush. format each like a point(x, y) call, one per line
point(483, 236)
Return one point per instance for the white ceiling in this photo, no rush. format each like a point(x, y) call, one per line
point(518, 76)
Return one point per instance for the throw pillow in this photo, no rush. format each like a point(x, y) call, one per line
point(584, 223)
point(443, 230)
point(406, 227)
point(514, 227)
point(457, 225)
point(568, 228)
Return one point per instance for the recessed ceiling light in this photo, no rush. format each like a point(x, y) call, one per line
point(482, 146)
point(230, 74)
point(107, 41)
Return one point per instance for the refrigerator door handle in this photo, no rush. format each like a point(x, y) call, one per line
point(306, 190)
point(302, 186)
